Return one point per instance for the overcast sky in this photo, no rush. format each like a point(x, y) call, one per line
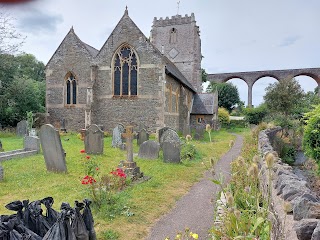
point(246, 35)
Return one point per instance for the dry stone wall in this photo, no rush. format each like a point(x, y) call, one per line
point(295, 209)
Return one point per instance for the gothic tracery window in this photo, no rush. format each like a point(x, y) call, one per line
point(71, 89)
point(173, 35)
point(125, 75)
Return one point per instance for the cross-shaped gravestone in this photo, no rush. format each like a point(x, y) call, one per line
point(128, 135)
point(129, 166)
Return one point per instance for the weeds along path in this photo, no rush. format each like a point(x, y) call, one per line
point(195, 209)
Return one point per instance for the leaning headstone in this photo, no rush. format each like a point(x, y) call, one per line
point(117, 136)
point(1, 173)
point(171, 146)
point(52, 149)
point(22, 128)
point(143, 136)
point(149, 150)
point(200, 129)
point(93, 140)
point(1, 148)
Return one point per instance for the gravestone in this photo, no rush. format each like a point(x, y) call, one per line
point(93, 140)
point(169, 135)
point(63, 126)
point(161, 131)
point(149, 150)
point(200, 129)
point(1, 148)
point(171, 152)
point(1, 173)
point(52, 149)
point(129, 166)
point(171, 146)
point(31, 143)
point(143, 136)
point(117, 136)
point(22, 128)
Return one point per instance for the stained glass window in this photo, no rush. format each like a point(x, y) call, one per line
point(125, 72)
point(71, 89)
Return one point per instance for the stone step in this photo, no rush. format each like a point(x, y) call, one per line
point(17, 154)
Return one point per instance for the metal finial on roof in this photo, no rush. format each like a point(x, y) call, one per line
point(126, 11)
point(178, 2)
point(72, 28)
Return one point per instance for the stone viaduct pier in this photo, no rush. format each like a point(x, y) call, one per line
point(251, 77)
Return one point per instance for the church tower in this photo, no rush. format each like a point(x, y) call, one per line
point(178, 38)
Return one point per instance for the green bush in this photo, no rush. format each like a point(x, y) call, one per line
point(238, 123)
point(188, 151)
point(255, 115)
point(224, 117)
point(311, 138)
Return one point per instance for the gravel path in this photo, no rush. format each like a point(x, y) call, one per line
point(195, 209)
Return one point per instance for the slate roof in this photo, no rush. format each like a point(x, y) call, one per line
point(203, 103)
point(173, 71)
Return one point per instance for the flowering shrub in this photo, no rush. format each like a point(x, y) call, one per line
point(101, 188)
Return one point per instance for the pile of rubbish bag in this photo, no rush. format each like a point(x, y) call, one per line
point(29, 223)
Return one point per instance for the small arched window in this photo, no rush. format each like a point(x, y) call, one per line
point(125, 75)
point(71, 89)
point(173, 35)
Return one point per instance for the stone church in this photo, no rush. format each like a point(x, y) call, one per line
point(132, 79)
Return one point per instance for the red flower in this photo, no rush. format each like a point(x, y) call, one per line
point(88, 180)
point(88, 157)
point(97, 169)
point(82, 151)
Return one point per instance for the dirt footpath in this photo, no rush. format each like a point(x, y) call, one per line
point(195, 209)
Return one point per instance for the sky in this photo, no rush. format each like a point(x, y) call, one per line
point(236, 36)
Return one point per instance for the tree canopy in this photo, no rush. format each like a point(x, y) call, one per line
point(284, 96)
point(22, 87)
point(228, 94)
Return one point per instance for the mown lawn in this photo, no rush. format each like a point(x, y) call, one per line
point(27, 178)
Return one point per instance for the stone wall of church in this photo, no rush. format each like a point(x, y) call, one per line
point(71, 56)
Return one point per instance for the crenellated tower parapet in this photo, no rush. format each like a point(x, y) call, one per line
point(174, 20)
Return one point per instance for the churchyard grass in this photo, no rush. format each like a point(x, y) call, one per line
point(136, 208)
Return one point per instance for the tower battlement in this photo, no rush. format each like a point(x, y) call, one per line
point(174, 20)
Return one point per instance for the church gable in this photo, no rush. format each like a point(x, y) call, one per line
point(127, 32)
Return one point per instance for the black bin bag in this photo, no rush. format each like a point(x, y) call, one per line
point(88, 219)
point(51, 214)
point(38, 223)
point(78, 226)
point(61, 229)
point(16, 206)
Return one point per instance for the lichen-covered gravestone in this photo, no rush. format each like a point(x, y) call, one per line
point(52, 149)
point(171, 146)
point(143, 136)
point(117, 136)
point(22, 128)
point(149, 150)
point(93, 140)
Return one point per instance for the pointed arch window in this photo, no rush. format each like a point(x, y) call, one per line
point(125, 72)
point(173, 35)
point(71, 89)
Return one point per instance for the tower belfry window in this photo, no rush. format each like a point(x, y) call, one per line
point(125, 72)
point(173, 35)
point(71, 89)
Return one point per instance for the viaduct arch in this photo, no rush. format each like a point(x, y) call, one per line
point(251, 77)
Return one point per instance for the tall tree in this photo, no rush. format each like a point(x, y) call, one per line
point(284, 96)
point(228, 94)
